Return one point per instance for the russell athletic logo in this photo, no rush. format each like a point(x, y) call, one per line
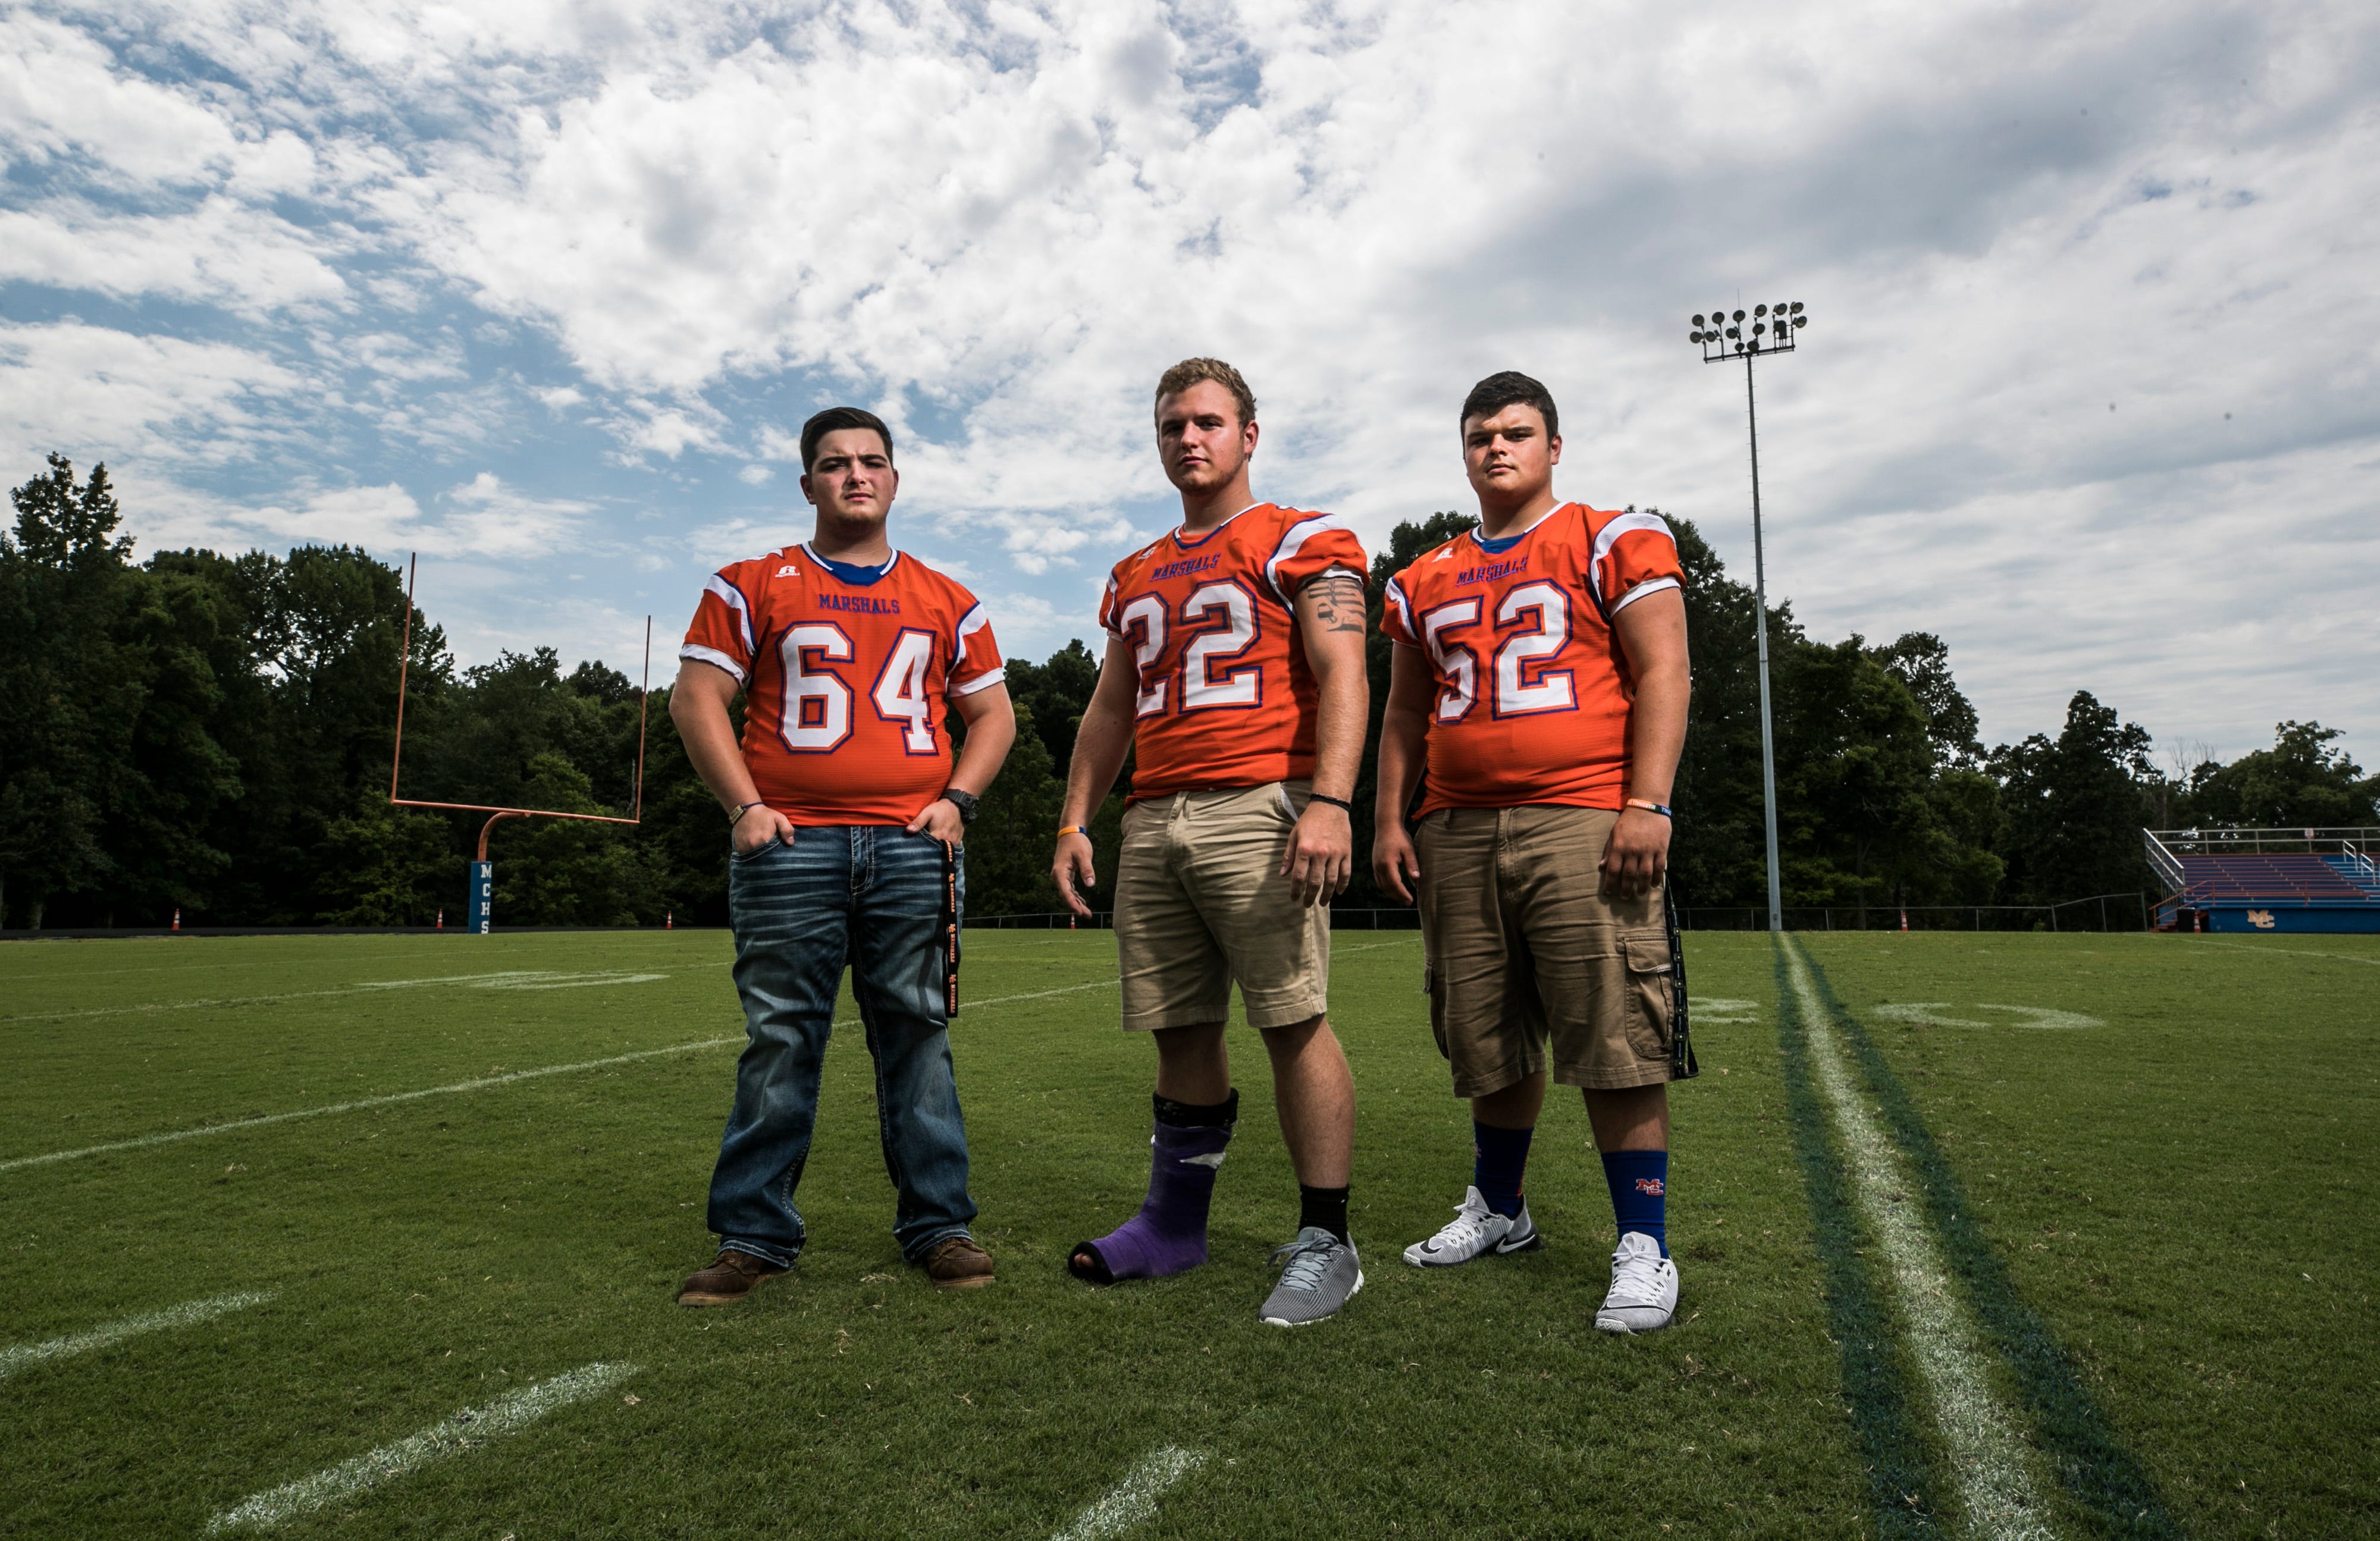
point(1649, 1186)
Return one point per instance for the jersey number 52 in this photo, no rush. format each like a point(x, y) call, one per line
point(1537, 617)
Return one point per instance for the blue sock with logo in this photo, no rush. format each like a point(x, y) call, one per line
point(1499, 1156)
point(1639, 1181)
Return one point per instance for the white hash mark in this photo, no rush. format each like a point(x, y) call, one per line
point(447, 1437)
point(1135, 1499)
point(188, 1314)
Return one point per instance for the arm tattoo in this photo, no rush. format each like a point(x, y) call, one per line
point(1338, 601)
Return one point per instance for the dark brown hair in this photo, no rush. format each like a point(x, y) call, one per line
point(837, 418)
point(1511, 388)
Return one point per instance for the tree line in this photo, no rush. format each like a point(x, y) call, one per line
point(210, 733)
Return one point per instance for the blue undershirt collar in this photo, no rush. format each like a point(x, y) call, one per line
point(1498, 548)
point(846, 572)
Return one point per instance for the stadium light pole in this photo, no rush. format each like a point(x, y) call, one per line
point(1722, 339)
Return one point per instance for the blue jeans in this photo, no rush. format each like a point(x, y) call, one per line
point(871, 895)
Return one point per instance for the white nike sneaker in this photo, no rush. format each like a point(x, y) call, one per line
point(1474, 1229)
point(1644, 1287)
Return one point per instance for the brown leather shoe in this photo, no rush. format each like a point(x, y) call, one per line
point(731, 1276)
point(956, 1262)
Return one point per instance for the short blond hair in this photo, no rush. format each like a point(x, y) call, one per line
point(1192, 372)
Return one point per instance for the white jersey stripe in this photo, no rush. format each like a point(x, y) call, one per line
point(972, 622)
point(1292, 539)
point(1396, 596)
point(997, 676)
point(1651, 586)
point(713, 656)
point(1608, 535)
point(735, 599)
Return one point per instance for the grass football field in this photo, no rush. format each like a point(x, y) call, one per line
point(1994, 1236)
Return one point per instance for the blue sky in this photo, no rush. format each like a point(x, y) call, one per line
point(545, 294)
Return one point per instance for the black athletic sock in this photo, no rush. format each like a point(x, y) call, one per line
point(1324, 1206)
point(1198, 1115)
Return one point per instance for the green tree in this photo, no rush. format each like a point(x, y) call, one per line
point(1408, 543)
point(2073, 806)
point(389, 867)
point(2304, 781)
point(568, 871)
point(69, 705)
point(1717, 846)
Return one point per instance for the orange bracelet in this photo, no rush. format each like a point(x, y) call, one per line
point(1650, 807)
point(1074, 829)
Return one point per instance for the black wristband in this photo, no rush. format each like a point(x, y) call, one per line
point(1340, 803)
point(963, 801)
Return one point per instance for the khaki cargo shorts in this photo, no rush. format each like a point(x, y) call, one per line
point(1201, 903)
point(1521, 948)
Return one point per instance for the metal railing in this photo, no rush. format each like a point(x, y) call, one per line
point(2356, 840)
point(2164, 862)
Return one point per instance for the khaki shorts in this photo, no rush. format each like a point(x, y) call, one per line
point(1522, 947)
point(1201, 903)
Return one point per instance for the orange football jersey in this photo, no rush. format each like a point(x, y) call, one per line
point(1224, 694)
point(1533, 690)
point(844, 683)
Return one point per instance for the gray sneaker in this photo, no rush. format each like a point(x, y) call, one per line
point(1321, 1274)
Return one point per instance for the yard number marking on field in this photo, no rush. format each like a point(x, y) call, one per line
point(1929, 1014)
point(464, 1431)
point(1986, 1456)
point(481, 1083)
point(189, 1314)
point(1135, 1499)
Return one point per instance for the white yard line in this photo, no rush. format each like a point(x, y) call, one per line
point(188, 1314)
point(511, 978)
point(170, 1136)
point(2284, 951)
point(1135, 1499)
point(481, 1083)
point(1987, 1457)
point(448, 1436)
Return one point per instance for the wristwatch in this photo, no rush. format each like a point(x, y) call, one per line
point(963, 801)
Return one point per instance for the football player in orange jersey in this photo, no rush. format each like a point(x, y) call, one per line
point(1234, 672)
point(845, 819)
point(1537, 698)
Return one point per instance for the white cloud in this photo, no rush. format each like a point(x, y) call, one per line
point(95, 392)
point(221, 253)
point(995, 224)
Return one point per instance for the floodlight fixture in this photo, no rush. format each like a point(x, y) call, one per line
point(1718, 348)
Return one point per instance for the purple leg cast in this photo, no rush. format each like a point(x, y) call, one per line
point(1170, 1233)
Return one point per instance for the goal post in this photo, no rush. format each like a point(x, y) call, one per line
point(479, 904)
